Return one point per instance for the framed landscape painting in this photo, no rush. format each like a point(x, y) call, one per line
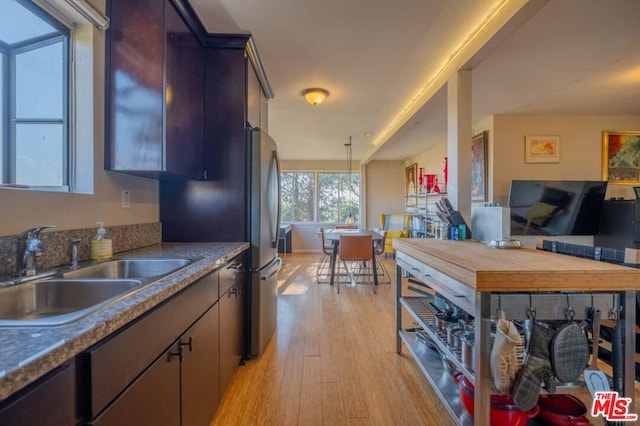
point(479, 166)
point(621, 156)
point(542, 149)
point(411, 180)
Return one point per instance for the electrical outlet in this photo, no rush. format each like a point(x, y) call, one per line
point(125, 198)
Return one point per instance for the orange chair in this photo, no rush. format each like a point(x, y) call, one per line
point(357, 249)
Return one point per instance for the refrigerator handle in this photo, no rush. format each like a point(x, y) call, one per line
point(266, 277)
point(276, 228)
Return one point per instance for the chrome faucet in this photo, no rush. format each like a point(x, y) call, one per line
point(29, 249)
point(74, 252)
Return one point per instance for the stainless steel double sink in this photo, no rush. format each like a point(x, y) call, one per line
point(72, 294)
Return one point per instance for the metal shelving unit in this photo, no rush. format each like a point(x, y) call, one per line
point(422, 211)
point(426, 343)
point(430, 360)
point(441, 381)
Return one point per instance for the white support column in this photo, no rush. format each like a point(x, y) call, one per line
point(459, 142)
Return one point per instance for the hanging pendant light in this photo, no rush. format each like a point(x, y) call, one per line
point(349, 219)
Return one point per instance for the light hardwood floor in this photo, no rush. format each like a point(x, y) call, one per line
point(331, 361)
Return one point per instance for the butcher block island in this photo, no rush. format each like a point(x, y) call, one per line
point(470, 285)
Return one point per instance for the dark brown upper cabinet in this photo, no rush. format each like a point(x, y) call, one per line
point(155, 86)
point(256, 94)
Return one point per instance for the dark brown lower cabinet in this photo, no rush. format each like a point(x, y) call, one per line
point(230, 333)
point(153, 399)
point(179, 388)
point(168, 367)
point(200, 382)
point(48, 402)
point(162, 369)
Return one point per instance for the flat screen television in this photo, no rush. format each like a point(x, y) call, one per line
point(561, 207)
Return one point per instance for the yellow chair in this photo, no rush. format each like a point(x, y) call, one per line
point(397, 226)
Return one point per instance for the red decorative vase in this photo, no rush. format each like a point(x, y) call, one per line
point(431, 181)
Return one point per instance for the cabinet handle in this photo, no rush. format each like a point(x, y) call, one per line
point(233, 291)
point(189, 344)
point(178, 353)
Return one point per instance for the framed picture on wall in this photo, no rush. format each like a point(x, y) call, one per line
point(411, 182)
point(479, 166)
point(542, 149)
point(620, 156)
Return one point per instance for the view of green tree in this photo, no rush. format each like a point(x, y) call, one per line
point(338, 194)
point(298, 196)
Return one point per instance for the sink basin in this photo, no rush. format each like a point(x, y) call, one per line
point(58, 301)
point(128, 268)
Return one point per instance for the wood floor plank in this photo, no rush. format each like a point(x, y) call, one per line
point(311, 392)
point(331, 361)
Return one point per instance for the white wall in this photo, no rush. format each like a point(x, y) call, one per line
point(384, 190)
point(580, 149)
point(22, 209)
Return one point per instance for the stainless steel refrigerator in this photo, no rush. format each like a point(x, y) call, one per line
point(264, 225)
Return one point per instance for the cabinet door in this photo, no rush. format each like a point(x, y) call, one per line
point(152, 400)
point(134, 86)
point(253, 96)
point(200, 370)
point(49, 402)
point(114, 363)
point(155, 86)
point(231, 334)
point(184, 98)
point(264, 111)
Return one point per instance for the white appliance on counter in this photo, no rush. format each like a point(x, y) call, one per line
point(264, 227)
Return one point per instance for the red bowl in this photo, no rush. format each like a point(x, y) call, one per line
point(562, 410)
point(503, 411)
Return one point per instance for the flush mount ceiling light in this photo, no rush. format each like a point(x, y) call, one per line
point(315, 95)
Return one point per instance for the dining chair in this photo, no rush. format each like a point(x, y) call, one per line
point(327, 252)
point(379, 250)
point(357, 249)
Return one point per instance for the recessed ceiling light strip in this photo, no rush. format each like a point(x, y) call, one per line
point(437, 80)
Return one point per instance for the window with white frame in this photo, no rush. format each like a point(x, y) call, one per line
point(311, 196)
point(34, 107)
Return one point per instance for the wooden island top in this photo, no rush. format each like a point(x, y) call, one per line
point(489, 269)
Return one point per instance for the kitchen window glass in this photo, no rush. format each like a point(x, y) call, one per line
point(338, 196)
point(35, 97)
point(3, 62)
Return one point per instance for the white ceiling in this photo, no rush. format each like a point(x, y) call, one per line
point(375, 56)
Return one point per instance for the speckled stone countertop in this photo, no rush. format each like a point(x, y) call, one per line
point(27, 353)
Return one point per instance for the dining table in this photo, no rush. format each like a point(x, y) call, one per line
point(333, 235)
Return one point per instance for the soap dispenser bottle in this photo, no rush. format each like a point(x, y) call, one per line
point(101, 247)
